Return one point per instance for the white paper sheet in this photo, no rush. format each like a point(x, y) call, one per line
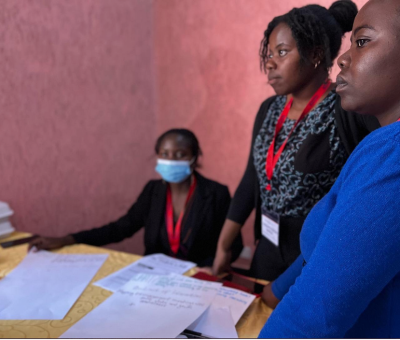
point(45, 285)
point(215, 323)
point(236, 300)
point(220, 318)
point(148, 306)
point(158, 264)
point(116, 280)
point(167, 263)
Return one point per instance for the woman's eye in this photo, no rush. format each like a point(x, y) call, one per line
point(269, 56)
point(361, 42)
point(282, 53)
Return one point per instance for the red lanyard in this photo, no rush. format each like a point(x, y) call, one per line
point(273, 159)
point(398, 120)
point(174, 235)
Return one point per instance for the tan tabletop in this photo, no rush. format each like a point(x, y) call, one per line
point(249, 325)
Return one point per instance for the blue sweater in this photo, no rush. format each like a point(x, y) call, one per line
point(350, 284)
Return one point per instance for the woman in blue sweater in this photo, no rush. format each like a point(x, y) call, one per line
point(348, 274)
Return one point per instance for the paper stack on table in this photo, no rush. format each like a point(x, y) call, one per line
point(217, 321)
point(5, 226)
point(148, 306)
point(158, 264)
point(45, 285)
point(162, 306)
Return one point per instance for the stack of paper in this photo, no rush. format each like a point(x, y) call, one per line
point(217, 320)
point(148, 306)
point(162, 306)
point(5, 226)
point(45, 285)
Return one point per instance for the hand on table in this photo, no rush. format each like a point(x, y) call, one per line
point(268, 296)
point(221, 262)
point(207, 270)
point(48, 243)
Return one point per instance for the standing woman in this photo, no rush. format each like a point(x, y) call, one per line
point(301, 138)
point(350, 282)
point(182, 214)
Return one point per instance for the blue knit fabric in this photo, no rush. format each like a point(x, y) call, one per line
point(350, 285)
point(282, 284)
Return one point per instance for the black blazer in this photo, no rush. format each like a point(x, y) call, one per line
point(201, 228)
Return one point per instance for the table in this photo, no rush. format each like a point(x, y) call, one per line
point(248, 326)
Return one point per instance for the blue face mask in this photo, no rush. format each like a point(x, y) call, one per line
point(173, 171)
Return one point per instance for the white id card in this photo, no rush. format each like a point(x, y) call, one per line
point(270, 226)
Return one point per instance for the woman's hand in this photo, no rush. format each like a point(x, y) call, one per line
point(48, 243)
point(221, 262)
point(207, 270)
point(268, 296)
point(223, 257)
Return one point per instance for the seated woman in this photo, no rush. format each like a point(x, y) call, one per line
point(182, 214)
point(349, 279)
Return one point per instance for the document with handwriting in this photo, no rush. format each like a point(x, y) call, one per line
point(148, 306)
point(158, 264)
point(45, 285)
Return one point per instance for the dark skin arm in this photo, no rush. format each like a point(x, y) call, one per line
point(268, 296)
point(222, 260)
point(49, 243)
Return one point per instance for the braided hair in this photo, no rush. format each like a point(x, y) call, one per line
point(314, 28)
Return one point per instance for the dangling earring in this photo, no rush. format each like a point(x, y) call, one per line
point(317, 64)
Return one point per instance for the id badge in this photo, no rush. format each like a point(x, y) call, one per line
point(270, 226)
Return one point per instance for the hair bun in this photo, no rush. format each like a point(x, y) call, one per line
point(344, 12)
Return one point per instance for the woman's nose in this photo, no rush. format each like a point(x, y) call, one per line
point(344, 60)
point(270, 65)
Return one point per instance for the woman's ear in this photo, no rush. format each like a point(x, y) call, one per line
point(317, 56)
point(194, 163)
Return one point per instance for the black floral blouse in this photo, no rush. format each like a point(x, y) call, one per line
point(309, 164)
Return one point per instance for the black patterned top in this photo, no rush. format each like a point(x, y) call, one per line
point(302, 175)
point(351, 128)
point(307, 168)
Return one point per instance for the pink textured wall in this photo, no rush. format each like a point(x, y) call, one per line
point(208, 76)
point(77, 111)
point(86, 87)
